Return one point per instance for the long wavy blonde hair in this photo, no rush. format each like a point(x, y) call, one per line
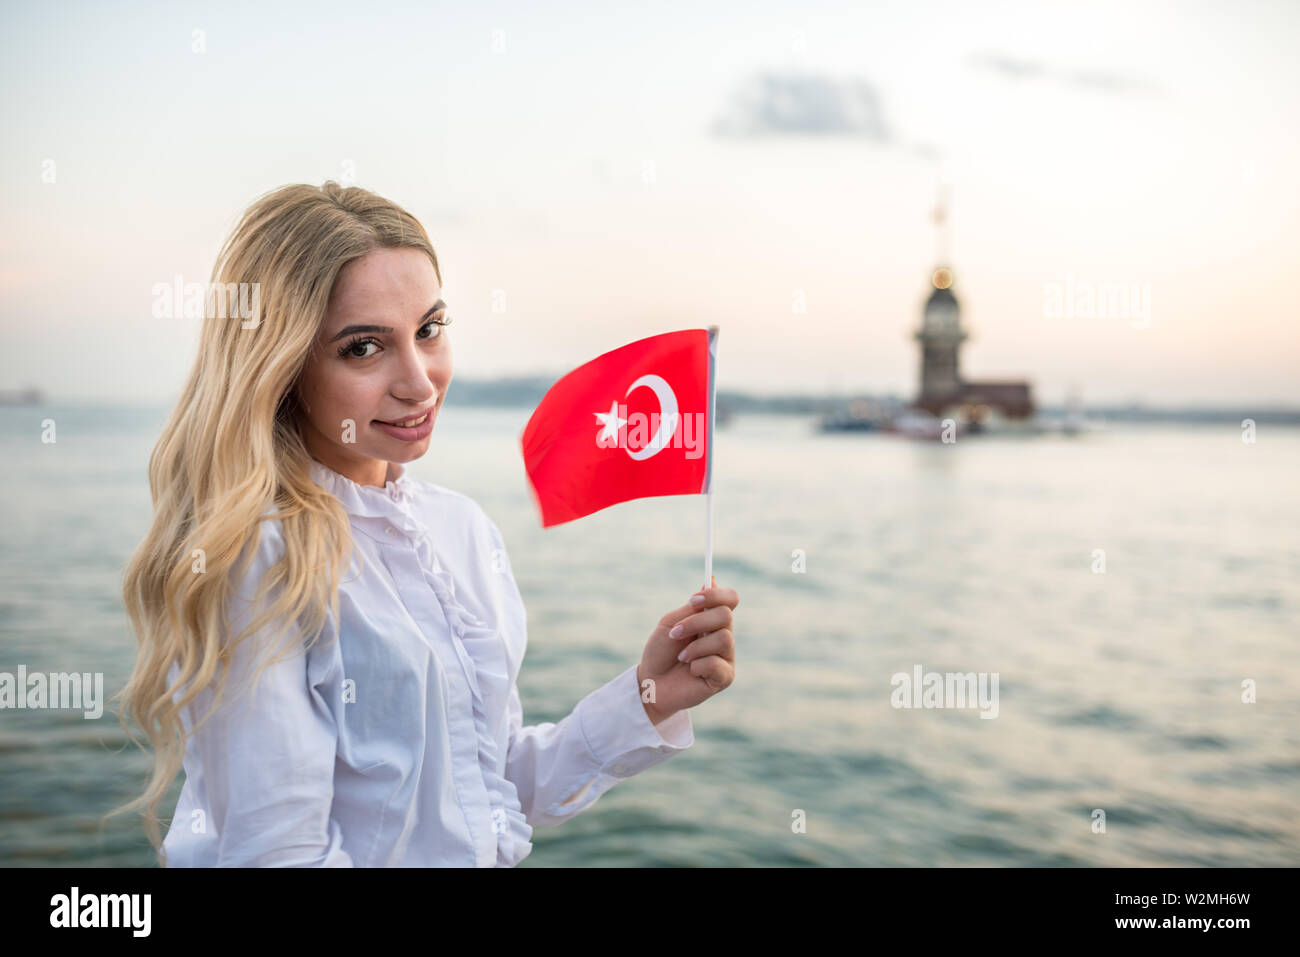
point(232, 449)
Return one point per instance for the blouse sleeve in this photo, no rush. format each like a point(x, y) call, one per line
point(561, 769)
point(267, 757)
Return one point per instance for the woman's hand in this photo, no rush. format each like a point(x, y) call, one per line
point(709, 648)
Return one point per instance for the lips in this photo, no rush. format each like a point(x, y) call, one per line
point(408, 422)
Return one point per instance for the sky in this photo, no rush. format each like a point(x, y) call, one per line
point(594, 173)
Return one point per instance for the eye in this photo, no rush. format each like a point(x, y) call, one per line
point(435, 323)
point(349, 350)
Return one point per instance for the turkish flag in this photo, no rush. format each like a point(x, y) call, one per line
point(633, 423)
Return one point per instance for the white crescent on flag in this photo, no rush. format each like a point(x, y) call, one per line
point(667, 417)
point(667, 414)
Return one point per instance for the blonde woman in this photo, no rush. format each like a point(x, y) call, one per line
point(328, 646)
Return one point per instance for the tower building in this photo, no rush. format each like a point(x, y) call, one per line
point(943, 391)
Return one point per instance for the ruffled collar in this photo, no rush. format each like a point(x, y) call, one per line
point(367, 500)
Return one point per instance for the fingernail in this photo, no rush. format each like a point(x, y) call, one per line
point(697, 599)
point(682, 656)
point(676, 632)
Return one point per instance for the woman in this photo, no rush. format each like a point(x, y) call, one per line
point(370, 718)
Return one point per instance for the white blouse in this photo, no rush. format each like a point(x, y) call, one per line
point(401, 743)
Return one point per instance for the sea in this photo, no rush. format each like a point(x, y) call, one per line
point(1127, 598)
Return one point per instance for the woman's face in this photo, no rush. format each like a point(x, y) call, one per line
point(395, 369)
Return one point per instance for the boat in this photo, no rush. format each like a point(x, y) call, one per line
point(919, 424)
point(27, 396)
point(859, 416)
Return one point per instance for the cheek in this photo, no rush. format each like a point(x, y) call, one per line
point(331, 392)
point(352, 394)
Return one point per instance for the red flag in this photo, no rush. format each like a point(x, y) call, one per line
point(633, 423)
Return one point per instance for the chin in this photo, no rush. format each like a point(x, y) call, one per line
point(411, 454)
point(407, 451)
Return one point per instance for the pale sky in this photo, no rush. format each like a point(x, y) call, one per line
point(573, 155)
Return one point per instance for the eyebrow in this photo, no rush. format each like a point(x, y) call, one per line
point(352, 330)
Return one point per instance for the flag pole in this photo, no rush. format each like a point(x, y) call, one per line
point(708, 480)
point(708, 544)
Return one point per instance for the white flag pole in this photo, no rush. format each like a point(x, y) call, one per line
point(708, 474)
point(708, 543)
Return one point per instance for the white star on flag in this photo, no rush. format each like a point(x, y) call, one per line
point(611, 421)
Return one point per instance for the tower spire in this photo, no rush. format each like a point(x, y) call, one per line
point(940, 218)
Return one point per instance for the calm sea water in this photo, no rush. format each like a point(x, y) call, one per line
point(1118, 690)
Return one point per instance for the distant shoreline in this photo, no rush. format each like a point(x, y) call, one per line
point(526, 393)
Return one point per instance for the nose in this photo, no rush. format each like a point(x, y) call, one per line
point(414, 380)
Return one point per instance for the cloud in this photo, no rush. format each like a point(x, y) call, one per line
point(1008, 66)
point(1110, 82)
point(788, 104)
point(1098, 81)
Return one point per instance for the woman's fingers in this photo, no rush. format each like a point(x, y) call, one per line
point(676, 616)
point(716, 595)
point(710, 619)
point(706, 598)
point(717, 672)
point(721, 643)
